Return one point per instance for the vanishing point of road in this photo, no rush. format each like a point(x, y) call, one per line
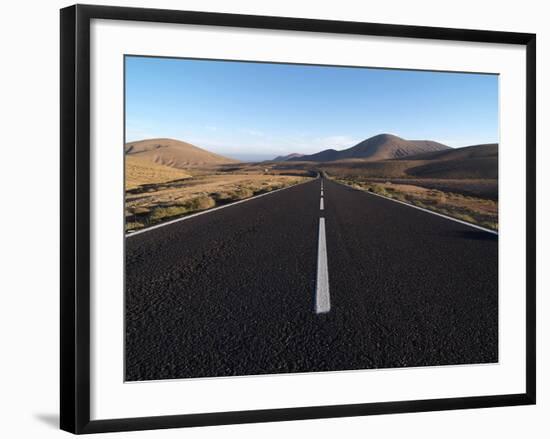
point(316, 277)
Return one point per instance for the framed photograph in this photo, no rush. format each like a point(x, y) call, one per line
point(268, 218)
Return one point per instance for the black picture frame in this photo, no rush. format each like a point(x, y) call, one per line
point(75, 217)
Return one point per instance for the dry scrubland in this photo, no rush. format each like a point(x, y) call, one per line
point(140, 171)
point(480, 188)
point(461, 182)
point(475, 210)
point(167, 178)
point(151, 204)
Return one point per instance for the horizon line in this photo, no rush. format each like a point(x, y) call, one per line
point(220, 151)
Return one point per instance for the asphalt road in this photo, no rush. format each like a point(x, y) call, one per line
point(234, 291)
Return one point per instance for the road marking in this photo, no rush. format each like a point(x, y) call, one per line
point(322, 294)
point(322, 207)
point(322, 192)
point(456, 220)
point(193, 215)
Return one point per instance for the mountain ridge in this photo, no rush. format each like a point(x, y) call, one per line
point(380, 147)
point(469, 162)
point(284, 158)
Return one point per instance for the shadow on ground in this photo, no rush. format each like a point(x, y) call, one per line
point(49, 419)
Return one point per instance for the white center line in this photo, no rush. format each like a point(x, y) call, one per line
point(322, 204)
point(322, 294)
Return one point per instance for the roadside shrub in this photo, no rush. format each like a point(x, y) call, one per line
point(134, 225)
point(189, 206)
point(399, 196)
point(139, 210)
point(464, 217)
point(167, 212)
point(243, 193)
point(439, 197)
point(200, 203)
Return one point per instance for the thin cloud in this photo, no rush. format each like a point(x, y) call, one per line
point(269, 144)
point(252, 132)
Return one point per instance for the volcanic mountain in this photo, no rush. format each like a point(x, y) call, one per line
point(380, 147)
point(284, 158)
point(173, 153)
point(476, 162)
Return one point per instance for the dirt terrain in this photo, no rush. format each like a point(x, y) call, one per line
point(153, 203)
point(167, 178)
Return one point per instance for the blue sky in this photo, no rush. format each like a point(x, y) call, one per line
point(259, 110)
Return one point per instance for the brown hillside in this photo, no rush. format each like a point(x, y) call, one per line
point(284, 158)
point(467, 152)
point(174, 153)
point(388, 146)
point(140, 171)
point(479, 161)
point(380, 147)
point(472, 162)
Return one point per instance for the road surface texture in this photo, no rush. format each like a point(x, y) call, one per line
point(245, 290)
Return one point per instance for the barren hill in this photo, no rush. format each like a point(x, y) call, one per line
point(324, 156)
point(284, 158)
point(471, 162)
point(466, 152)
point(380, 147)
point(477, 161)
point(174, 153)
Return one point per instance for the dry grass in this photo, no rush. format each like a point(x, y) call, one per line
point(478, 188)
point(266, 169)
point(360, 168)
point(483, 212)
point(140, 171)
point(153, 203)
